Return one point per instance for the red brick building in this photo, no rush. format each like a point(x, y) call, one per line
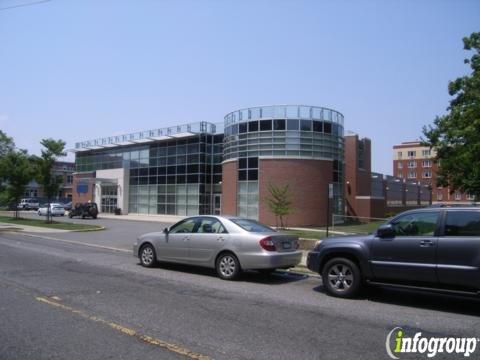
point(414, 162)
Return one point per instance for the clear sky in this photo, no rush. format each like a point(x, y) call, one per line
point(81, 69)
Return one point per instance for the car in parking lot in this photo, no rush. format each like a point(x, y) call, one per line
point(432, 249)
point(227, 244)
point(55, 210)
point(88, 209)
point(29, 204)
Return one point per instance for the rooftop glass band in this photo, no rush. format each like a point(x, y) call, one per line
point(177, 131)
point(285, 112)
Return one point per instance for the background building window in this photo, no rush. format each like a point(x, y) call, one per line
point(412, 175)
point(412, 153)
point(439, 196)
point(426, 152)
point(427, 174)
point(247, 195)
point(426, 163)
point(400, 165)
point(399, 154)
point(412, 164)
point(458, 196)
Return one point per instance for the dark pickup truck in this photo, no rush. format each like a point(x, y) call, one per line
point(432, 248)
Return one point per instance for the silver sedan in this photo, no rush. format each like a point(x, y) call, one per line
point(227, 244)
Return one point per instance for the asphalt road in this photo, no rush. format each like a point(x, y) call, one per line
point(65, 300)
point(119, 233)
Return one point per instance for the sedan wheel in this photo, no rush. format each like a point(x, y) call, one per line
point(341, 277)
point(147, 256)
point(228, 266)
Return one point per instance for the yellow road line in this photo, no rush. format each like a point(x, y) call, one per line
point(127, 331)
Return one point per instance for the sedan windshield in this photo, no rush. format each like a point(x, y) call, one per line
point(252, 225)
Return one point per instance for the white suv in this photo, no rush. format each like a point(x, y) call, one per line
point(29, 204)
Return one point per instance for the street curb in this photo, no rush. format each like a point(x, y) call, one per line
point(299, 271)
point(17, 228)
point(87, 230)
point(10, 229)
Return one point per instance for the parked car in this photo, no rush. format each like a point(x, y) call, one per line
point(29, 204)
point(55, 210)
point(431, 248)
point(89, 209)
point(68, 206)
point(227, 244)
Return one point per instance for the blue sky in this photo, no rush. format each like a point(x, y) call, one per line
point(80, 69)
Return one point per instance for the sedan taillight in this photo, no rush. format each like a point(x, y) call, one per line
point(267, 244)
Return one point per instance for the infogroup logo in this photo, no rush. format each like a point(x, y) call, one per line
point(397, 343)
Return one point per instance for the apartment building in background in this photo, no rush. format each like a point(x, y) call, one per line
point(65, 170)
point(416, 163)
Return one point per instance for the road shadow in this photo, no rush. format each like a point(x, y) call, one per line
point(457, 304)
point(249, 276)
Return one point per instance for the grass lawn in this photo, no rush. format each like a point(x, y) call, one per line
point(53, 225)
point(367, 228)
point(317, 235)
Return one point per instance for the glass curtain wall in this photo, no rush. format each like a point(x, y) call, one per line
point(177, 176)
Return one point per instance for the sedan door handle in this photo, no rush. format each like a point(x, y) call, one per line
point(220, 238)
point(186, 238)
point(426, 243)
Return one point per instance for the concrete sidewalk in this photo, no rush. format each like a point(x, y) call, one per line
point(143, 217)
point(27, 228)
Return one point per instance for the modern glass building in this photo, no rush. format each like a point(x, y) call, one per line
point(190, 169)
point(175, 170)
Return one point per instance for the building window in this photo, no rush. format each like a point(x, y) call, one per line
point(412, 164)
point(361, 155)
point(458, 196)
point(400, 175)
point(427, 163)
point(400, 165)
point(247, 196)
point(265, 125)
point(399, 154)
point(427, 174)
point(248, 169)
point(412, 153)
point(426, 153)
point(253, 126)
point(69, 179)
point(279, 124)
point(470, 197)
point(412, 175)
point(439, 196)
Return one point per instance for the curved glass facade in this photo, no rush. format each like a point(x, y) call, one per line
point(285, 131)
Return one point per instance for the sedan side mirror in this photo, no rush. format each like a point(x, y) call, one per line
point(165, 231)
point(385, 231)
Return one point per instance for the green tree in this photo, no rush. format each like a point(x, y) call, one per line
point(18, 171)
point(6, 144)
point(456, 135)
point(44, 169)
point(279, 202)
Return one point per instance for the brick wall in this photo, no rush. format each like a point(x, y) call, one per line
point(82, 178)
point(308, 181)
point(229, 188)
